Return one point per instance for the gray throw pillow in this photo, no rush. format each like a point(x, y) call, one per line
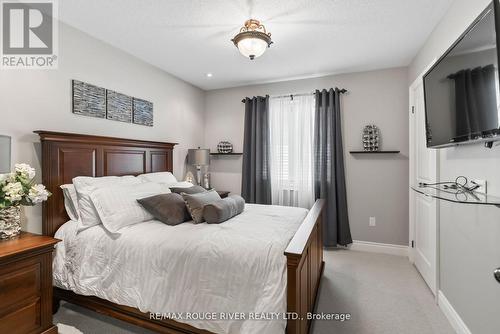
point(188, 190)
point(220, 211)
point(167, 208)
point(196, 202)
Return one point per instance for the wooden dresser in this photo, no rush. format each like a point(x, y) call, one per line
point(26, 284)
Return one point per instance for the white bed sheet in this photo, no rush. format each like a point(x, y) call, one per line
point(236, 266)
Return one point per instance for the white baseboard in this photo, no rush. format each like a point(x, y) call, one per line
point(456, 322)
point(375, 247)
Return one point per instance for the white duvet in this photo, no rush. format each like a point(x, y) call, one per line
point(236, 266)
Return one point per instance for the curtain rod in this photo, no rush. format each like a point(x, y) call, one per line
point(342, 91)
point(290, 95)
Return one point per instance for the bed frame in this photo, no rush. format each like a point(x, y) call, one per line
point(65, 156)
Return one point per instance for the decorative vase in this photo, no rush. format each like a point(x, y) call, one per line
point(371, 138)
point(10, 222)
point(189, 177)
point(225, 147)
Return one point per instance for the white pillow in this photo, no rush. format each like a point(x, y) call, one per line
point(182, 184)
point(85, 186)
point(160, 177)
point(70, 201)
point(117, 205)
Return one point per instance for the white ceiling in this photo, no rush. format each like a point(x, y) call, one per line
point(190, 38)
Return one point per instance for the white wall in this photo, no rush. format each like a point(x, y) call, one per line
point(41, 100)
point(376, 185)
point(469, 235)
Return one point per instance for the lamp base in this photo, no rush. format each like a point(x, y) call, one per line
point(198, 175)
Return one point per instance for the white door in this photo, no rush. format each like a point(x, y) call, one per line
point(423, 209)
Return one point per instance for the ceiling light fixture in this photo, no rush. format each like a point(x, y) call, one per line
point(209, 75)
point(253, 39)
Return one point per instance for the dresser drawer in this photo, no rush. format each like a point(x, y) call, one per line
point(19, 282)
point(26, 284)
point(22, 320)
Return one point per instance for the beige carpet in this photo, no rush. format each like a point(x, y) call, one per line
point(65, 329)
point(384, 294)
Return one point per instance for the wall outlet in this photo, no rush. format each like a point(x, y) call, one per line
point(372, 221)
point(483, 186)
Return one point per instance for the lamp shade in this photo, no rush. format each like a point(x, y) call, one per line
point(199, 157)
point(4, 154)
point(252, 47)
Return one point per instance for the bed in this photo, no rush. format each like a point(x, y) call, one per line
point(291, 277)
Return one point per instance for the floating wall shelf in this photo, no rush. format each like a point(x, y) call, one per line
point(456, 196)
point(224, 154)
point(374, 152)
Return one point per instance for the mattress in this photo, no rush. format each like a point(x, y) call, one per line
point(236, 267)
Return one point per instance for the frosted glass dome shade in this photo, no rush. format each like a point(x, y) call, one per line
point(252, 47)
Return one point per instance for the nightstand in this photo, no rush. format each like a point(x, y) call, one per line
point(223, 193)
point(26, 284)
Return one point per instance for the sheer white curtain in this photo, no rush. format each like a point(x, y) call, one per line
point(291, 123)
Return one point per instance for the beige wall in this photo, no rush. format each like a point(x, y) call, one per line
point(41, 99)
point(376, 185)
point(469, 234)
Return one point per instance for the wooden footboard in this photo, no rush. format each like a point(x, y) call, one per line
point(305, 266)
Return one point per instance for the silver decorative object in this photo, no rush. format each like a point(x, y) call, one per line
point(224, 147)
point(10, 222)
point(189, 177)
point(371, 138)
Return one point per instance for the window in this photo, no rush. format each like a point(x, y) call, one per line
point(291, 123)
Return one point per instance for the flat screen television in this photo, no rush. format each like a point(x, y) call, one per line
point(461, 90)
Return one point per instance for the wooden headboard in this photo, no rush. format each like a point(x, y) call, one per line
point(67, 155)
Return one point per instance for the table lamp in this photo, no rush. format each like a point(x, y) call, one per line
point(199, 157)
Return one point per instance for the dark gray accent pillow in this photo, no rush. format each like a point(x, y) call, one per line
point(220, 211)
point(196, 202)
point(167, 208)
point(188, 190)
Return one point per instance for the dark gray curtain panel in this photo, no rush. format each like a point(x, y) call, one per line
point(475, 97)
point(256, 183)
point(329, 173)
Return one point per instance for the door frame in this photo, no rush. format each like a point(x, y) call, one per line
point(412, 226)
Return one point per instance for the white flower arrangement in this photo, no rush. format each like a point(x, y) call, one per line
point(18, 188)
